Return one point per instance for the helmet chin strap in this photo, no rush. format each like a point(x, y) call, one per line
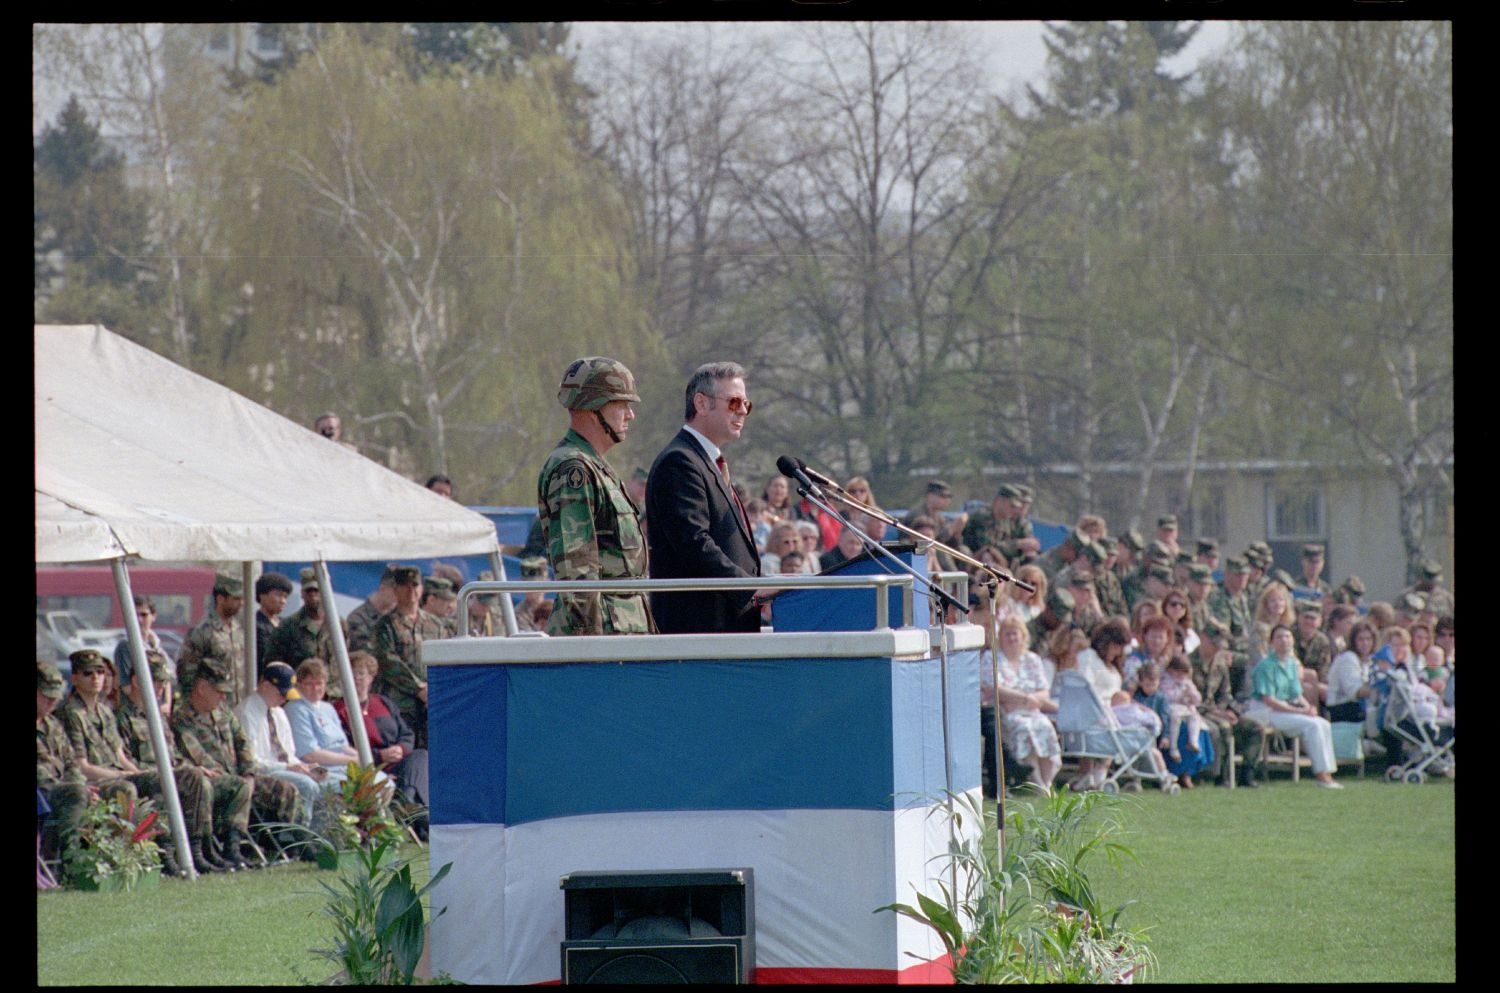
point(613, 434)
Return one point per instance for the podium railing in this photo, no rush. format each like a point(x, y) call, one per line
point(879, 583)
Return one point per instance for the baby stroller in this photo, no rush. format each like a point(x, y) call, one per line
point(1424, 737)
point(1088, 730)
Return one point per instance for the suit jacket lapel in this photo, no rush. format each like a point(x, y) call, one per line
point(718, 477)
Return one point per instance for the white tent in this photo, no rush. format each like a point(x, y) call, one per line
point(180, 468)
point(138, 457)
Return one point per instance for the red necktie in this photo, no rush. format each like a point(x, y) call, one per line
point(724, 468)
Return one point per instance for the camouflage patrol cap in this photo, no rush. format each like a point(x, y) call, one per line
point(1236, 564)
point(939, 487)
point(1312, 550)
point(1354, 585)
point(1432, 569)
point(1412, 602)
point(1158, 551)
point(49, 682)
point(1027, 493)
point(1078, 539)
point(308, 577)
point(590, 383)
point(1132, 539)
point(440, 587)
point(1081, 578)
point(406, 575)
point(1310, 607)
point(1167, 521)
point(1060, 600)
point(1009, 491)
point(1200, 573)
point(1095, 552)
point(157, 663)
point(228, 586)
point(87, 660)
point(1284, 578)
point(1208, 546)
point(1184, 558)
point(216, 673)
point(1108, 542)
point(534, 566)
point(1160, 572)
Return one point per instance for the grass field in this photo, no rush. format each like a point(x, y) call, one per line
point(1281, 884)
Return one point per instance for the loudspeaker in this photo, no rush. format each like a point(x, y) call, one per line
point(687, 926)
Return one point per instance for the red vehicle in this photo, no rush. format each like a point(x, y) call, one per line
point(183, 594)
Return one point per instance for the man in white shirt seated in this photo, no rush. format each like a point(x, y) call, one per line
point(270, 736)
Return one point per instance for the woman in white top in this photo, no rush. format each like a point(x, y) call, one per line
point(1349, 675)
point(1025, 701)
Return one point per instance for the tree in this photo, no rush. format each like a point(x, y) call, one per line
point(435, 288)
point(862, 212)
point(90, 229)
point(153, 93)
point(1345, 133)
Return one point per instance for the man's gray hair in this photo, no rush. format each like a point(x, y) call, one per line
point(702, 379)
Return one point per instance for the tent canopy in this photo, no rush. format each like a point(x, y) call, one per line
point(139, 456)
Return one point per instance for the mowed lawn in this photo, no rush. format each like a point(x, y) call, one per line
point(1291, 883)
point(1281, 884)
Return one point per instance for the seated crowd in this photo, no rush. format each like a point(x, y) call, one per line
point(1202, 657)
point(267, 765)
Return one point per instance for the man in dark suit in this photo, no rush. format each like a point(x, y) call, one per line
point(698, 527)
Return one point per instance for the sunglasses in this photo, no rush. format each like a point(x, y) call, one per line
point(736, 405)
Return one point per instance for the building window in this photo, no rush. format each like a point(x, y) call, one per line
point(218, 38)
point(268, 38)
point(1294, 512)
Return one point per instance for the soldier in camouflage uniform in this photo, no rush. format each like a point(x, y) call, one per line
point(1057, 612)
point(397, 645)
point(440, 600)
point(1089, 558)
point(95, 737)
point(306, 635)
point(1004, 525)
point(1439, 597)
point(219, 636)
point(1107, 587)
point(532, 568)
point(592, 528)
point(1200, 583)
point(1222, 714)
point(57, 772)
point(1086, 611)
point(194, 791)
point(362, 619)
point(210, 737)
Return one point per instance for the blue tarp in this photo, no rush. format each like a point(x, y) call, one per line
point(359, 579)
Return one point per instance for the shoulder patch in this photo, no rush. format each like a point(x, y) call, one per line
point(571, 473)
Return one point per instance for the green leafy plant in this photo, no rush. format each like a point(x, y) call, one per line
point(359, 815)
point(1026, 911)
point(115, 840)
point(379, 926)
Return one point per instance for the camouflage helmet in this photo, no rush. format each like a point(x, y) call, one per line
point(589, 384)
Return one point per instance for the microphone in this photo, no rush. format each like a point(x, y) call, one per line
point(817, 476)
point(794, 469)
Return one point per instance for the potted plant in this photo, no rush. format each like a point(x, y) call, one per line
point(359, 817)
point(114, 847)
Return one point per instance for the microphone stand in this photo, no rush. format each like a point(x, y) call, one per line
point(873, 546)
point(1000, 575)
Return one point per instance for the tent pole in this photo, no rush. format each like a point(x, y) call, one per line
point(341, 656)
point(153, 719)
point(507, 609)
point(249, 677)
